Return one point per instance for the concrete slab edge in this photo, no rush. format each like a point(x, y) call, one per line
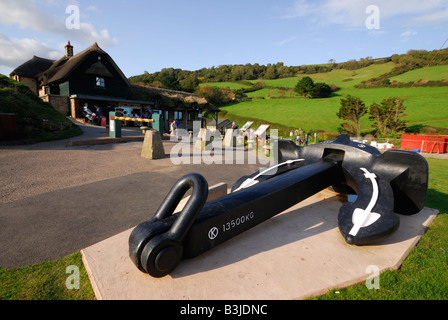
point(395, 267)
point(95, 288)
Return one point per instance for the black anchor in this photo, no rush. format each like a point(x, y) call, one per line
point(385, 184)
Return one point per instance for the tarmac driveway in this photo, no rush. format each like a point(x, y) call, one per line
point(56, 199)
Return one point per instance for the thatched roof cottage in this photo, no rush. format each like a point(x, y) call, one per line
point(92, 78)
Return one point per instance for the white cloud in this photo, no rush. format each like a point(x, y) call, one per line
point(301, 8)
point(405, 36)
point(440, 16)
point(285, 41)
point(14, 52)
point(92, 8)
point(33, 15)
point(352, 13)
point(408, 33)
point(27, 14)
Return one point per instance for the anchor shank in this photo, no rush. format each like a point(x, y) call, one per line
point(235, 213)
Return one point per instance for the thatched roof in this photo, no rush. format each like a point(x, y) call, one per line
point(32, 67)
point(62, 68)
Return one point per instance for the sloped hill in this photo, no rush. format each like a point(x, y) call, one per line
point(278, 103)
point(433, 73)
point(35, 119)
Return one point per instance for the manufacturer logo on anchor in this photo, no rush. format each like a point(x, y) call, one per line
point(213, 233)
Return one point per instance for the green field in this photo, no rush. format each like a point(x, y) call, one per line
point(231, 85)
point(339, 77)
point(426, 106)
point(430, 73)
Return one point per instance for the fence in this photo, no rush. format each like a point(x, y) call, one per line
point(425, 143)
point(417, 143)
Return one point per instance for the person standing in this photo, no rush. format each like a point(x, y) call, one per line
point(298, 141)
point(98, 115)
point(173, 128)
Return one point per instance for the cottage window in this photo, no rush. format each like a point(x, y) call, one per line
point(178, 115)
point(100, 82)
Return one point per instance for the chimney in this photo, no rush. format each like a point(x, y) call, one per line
point(68, 50)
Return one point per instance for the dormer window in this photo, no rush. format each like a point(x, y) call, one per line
point(100, 82)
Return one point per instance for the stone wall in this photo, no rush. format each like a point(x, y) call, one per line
point(30, 82)
point(60, 103)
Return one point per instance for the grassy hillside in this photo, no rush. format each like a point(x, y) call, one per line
point(340, 77)
point(426, 106)
point(431, 73)
point(35, 119)
point(231, 85)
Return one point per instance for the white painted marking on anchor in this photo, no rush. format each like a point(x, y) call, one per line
point(253, 181)
point(364, 218)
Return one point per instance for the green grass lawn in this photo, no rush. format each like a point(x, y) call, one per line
point(45, 281)
point(424, 106)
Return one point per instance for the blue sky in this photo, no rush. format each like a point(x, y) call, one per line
point(143, 35)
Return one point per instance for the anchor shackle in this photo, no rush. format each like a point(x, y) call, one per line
point(156, 246)
point(197, 199)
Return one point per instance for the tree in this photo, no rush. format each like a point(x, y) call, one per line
point(305, 87)
point(352, 109)
point(321, 90)
point(190, 83)
point(388, 116)
point(271, 73)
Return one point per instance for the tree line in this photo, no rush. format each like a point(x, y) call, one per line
point(188, 81)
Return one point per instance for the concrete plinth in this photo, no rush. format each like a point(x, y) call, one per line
point(152, 145)
point(231, 137)
point(203, 139)
point(294, 255)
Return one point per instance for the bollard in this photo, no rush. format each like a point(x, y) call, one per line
point(144, 129)
point(203, 139)
point(114, 125)
point(152, 145)
point(231, 137)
